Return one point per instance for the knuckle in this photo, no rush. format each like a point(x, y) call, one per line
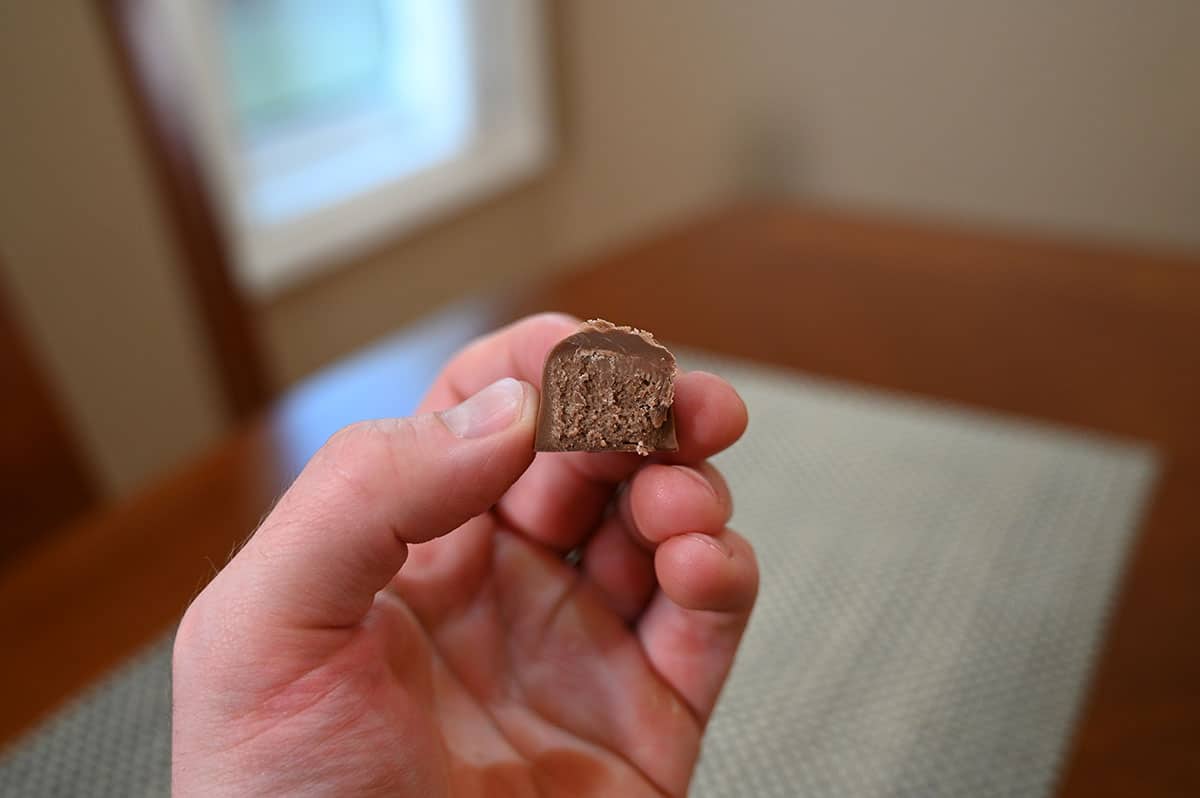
point(550, 318)
point(749, 560)
point(349, 437)
point(550, 321)
point(194, 634)
point(548, 325)
point(367, 453)
point(717, 480)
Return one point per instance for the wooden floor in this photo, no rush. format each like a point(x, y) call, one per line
point(1097, 338)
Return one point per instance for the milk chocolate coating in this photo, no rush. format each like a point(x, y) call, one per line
point(607, 389)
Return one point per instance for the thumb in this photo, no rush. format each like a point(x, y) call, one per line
point(340, 533)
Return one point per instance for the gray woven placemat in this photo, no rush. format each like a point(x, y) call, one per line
point(935, 584)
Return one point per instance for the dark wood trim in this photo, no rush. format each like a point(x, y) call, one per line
point(44, 479)
point(150, 80)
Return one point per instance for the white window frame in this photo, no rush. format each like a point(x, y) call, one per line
point(512, 143)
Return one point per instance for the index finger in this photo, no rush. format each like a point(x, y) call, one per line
point(518, 350)
point(561, 496)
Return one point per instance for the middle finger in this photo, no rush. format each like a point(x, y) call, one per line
point(561, 498)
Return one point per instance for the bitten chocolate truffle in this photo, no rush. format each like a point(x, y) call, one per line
point(607, 389)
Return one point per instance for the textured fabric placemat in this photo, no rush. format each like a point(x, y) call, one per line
point(935, 585)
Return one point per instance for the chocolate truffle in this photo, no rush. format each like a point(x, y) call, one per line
point(607, 389)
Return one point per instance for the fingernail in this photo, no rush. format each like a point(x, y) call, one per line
point(713, 542)
point(699, 478)
point(493, 409)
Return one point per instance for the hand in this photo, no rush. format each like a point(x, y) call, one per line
point(404, 621)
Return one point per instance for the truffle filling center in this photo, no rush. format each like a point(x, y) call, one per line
point(601, 402)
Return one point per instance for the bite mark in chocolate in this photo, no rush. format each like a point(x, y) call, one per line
point(607, 389)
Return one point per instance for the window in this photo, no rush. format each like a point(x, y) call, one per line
point(327, 125)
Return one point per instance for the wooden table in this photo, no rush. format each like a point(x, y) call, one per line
point(1097, 338)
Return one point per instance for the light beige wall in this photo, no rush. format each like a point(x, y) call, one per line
point(1080, 116)
point(85, 254)
point(1077, 116)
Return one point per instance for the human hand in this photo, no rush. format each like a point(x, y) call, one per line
point(404, 622)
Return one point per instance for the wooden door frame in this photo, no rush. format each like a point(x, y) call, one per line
point(149, 76)
point(47, 478)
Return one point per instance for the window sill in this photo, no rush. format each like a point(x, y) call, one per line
point(312, 199)
point(276, 256)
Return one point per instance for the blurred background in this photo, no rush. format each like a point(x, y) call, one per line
point(1078, 118)
point(207, 206)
